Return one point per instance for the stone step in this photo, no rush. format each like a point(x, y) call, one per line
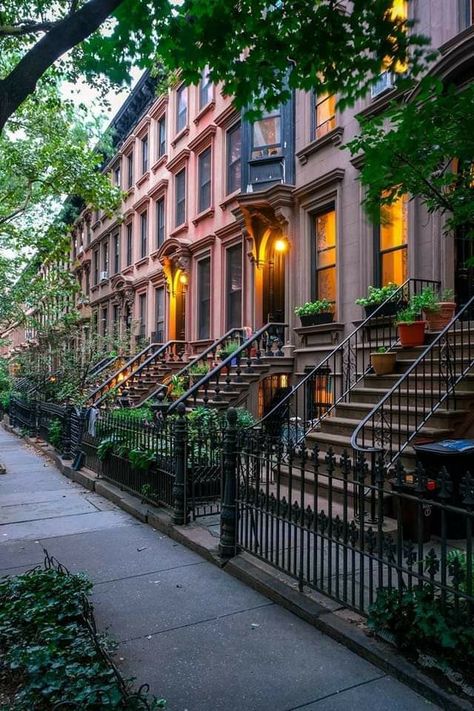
point(441, 418)
point(345, 426)
point(386, 382)
point(375, 394)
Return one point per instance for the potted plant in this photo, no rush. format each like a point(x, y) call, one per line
point(314, 313)
point(197, 371)
point(383, 361)
point(177, 386)
point(376, 296)
point(228, 349)
point(437, 310)
point(411, 329)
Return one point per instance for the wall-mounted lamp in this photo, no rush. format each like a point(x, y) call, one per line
point(183, 279)
point(281, 245)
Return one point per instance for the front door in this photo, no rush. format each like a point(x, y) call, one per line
point(274, 287)
point(463, 266)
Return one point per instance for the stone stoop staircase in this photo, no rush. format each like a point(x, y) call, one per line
point(238, 385)
point(335, 431)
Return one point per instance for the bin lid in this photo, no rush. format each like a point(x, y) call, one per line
point(447, 446)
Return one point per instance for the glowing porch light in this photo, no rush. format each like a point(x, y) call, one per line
point(281, 245)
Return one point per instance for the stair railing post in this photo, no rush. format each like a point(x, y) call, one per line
point(180, 513)
point(66, 434)
point(227, 545)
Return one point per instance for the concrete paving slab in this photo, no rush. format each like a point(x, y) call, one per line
point(15, 554)
point(120, 552)
point(63, 506)
point(65, 525)
point(171, 598)
point(264, 659)
point(384, 694)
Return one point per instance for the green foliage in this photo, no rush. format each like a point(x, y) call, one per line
point(377, 296)
point(228, 349)
point(47, 648)
point(199, 369)
point(55, 433)
point(135, 414)
point(410, 149)
point(426, 300)
point(262, 51)
point(178, 385)
point(141, 459)
point(419, 622)
point(244, 418)
point(106, 446)
point(314, 307)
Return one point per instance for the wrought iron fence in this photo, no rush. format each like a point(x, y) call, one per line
point(335, 529)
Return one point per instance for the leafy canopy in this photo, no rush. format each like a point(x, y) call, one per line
point(424, 147)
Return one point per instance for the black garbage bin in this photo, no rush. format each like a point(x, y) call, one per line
point(457, 456)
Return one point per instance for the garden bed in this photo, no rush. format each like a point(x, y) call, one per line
point(50, 653)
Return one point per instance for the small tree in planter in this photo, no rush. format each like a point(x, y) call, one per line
point(314, 313)
point(383, 361)
point(228, 349)
point(376, 296)
point(437, 310)
point(411, 329)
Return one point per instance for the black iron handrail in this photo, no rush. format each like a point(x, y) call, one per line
point(128, 370)
point(262, 336)
point(203, 356)
point(451, 350)
point(342, 369)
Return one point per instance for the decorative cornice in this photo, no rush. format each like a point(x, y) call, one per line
point(141, 203)
point(178, 161)
point(203, 243)
point(227, 117)
point(203, 138)
point(333, 176)
point(142, 127)
point(333, 138)
point(128, 144)
point(358, 161)
point(160, 187)
point(159, 107)
point(231, 230)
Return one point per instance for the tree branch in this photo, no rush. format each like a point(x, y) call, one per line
point(67, 33)
point(439, 195)
point(27, 27)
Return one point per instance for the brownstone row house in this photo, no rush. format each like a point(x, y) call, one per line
point(229, 224)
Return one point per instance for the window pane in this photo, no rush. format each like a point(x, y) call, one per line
point(325, 114)
point(234, 286)
point(266, 132)
point(182, 108)
point(205, 89)
point(394, 266)
point(325, 229)
point(233, 159)
point(162, 136)
point(143, 233)
point(145, 154)
point(180, 185)
point(204, 298)
point(393, 230)
point(160, 314)
point(129, 244)
point(160, 222)
point(204, 180)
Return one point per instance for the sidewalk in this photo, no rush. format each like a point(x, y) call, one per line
point(199, 637)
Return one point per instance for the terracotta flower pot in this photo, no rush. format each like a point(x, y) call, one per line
point(412, 334)
point(383, 363)
point(437, 320)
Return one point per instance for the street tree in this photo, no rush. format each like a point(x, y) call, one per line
point(258, 50)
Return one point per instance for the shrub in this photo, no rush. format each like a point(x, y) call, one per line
point(377, 295)
point(314, 307)
point(55, 433)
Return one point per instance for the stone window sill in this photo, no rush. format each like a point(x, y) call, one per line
point(141, 262)
point(181, 228)
point(143, 179)
point(161, 161)
point(209, 212)
point(184, 132)
point(230, 198)
point(202, 112)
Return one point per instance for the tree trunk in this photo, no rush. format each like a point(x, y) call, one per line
point(21, 82)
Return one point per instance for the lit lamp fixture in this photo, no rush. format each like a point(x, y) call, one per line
point(183, 279)
point(52, 379)
point(281, 245)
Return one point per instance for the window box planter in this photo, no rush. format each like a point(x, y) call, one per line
point(317, 319)
point(391, 308)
